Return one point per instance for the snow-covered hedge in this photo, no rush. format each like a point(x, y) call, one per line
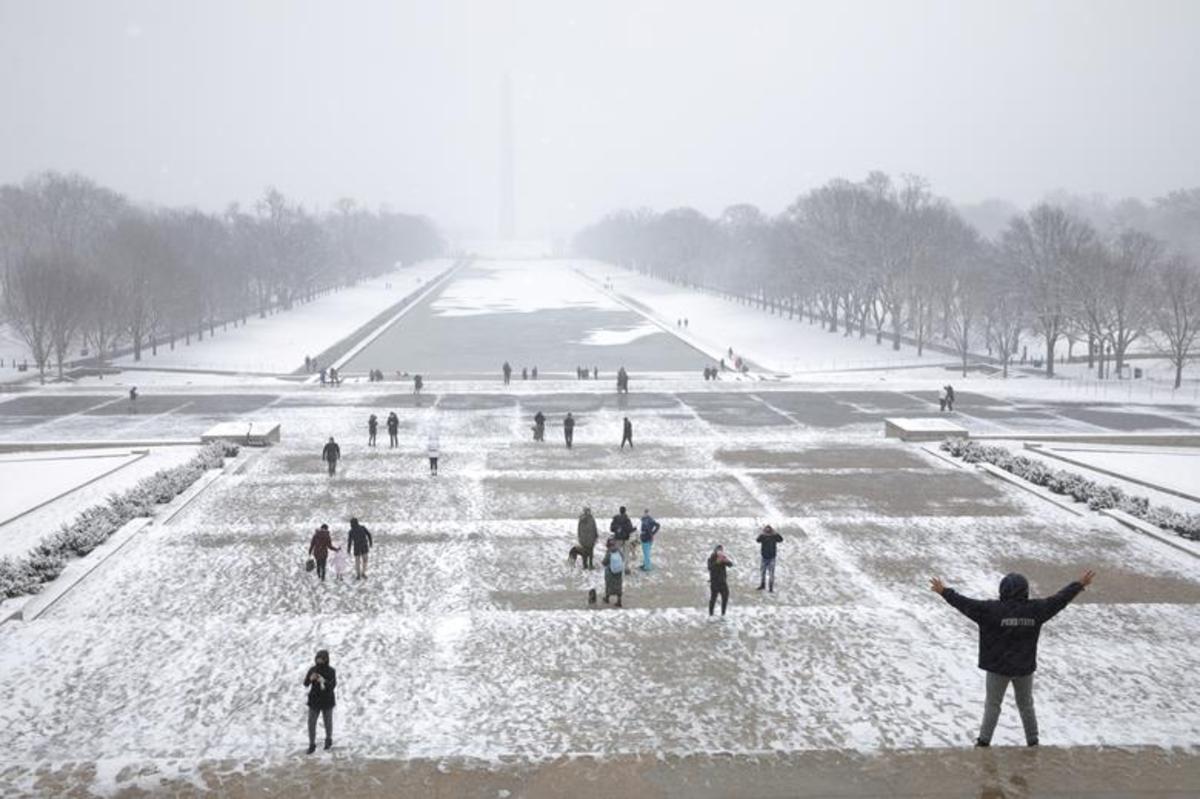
point(1097, 496)
point(92, 528)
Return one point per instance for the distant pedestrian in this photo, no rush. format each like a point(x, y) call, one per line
point(433, 450)
point(539, 426)
point(319, 548)
point(307, 364)
point(524, 373)
point(718, 582)
point(507, 370)
point(614, 571)
point(650, 529)
point(768, 540)
point(339, 565)
point(393, 426)
point(595, 372)
point(359, 542)
point(587, 534)
point(1008, 639)
point(331, 454)
point(627, 433)
point(942, 400)
point(372, 429)
point(949, 397)
point(534, 373)
point(321, 680)
point(621, 527)
point(334, 377)
point(418, 383)
point(133, 395)
point(569, 429)
point(322, 377)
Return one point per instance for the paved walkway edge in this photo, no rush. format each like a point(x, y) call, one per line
point(1170, 539)
point(996, 471)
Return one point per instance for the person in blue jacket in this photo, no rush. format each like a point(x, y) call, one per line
point(650, 529)
point(1008, 639)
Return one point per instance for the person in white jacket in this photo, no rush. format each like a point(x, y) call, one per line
point(433, 450)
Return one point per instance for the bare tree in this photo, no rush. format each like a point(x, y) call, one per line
point(29, 299)
point(1133, 259)
point(1177, 311)
point(1045, 245)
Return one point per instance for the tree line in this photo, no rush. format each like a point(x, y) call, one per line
point(84, 269)
point(888, 258)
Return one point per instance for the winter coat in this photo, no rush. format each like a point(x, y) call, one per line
point(332, 452)
point(320, 545)
point(768, 541)
point(372, 424)
point(1009, 626)
point(393, 423)
point(431, 447)
point(716, 570)
point(319, 697)
point(627, 429)
point(359, 541)
point(649, 528)
point(612, 580)
point(569, 423)
point(587, 532)
point(621, 527)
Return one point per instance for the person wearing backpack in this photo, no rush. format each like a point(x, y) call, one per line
point(372, 429)
point(1008, 639)
point(622, 528)
point(614, 571)
point(650, 529)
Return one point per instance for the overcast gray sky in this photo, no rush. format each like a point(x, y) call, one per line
point(616, 103)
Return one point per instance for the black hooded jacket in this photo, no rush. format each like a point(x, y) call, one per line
point(1009, 626)
point(319, 697)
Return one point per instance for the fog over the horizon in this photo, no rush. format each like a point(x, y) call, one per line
point(616, 104)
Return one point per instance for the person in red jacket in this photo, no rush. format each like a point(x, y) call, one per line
point(319, 548)
point(1008, 639)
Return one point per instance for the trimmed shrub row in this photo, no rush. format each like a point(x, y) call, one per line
point(90, 529)
point(1097, 496)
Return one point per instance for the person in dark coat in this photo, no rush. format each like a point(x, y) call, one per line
point(507, 369)
point(359, 543)
point(587, 534)
point(569, 429)
point(331, 454)
point(321, 680)
point(319, 548)
point(614, 571)
point(949, 397)
point(539, 426)
point(627, 433)
point(718, 582)
point(1008, 638)
point(768, 540)
point(418, 384)
point(621, 527)
point(393, 426)
point(372, 430)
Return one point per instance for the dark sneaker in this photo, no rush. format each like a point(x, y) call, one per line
point(312, 748)
point(761, 587)
point(982, 743)
point(328, 744)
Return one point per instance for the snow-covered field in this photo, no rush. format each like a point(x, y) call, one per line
point(472, 637)
point(279, 343)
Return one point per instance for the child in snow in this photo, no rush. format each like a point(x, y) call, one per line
point(339, 564)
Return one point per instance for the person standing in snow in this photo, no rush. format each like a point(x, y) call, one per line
point(539, 426)
point(587, 534)
point(650, 529)
point(321, 680)
point(767, 540)
point(433, 450)
point(1008, 639)
point(331, 454)
point(319, 547)
point(627, 433)
point(949, 397)
point(418, 383)
point(393, 426)
point(614, 571)
point(359, 542)
point(507, 369)
point(718, 582)
point(569, 429)
point(622, 529)
point(372, 430)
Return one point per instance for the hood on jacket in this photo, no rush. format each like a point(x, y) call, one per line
point(1014, 586)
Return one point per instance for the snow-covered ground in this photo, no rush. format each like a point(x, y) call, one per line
point(44, 476)
point(280, 342)
point(472, 638)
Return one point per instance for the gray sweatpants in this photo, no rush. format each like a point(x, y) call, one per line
point(326, 714)
point(997, 685)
